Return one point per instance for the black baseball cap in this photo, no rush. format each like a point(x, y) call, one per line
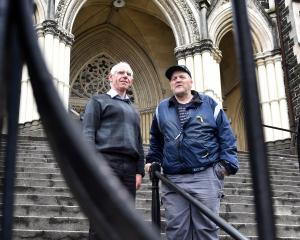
point(175, 68)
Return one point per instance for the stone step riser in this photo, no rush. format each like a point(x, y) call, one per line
point(50, 235)
point(39, 182)
point(146, 202)
point(241, 192)
point(30, 199)
point(48, 211)
point(47, 160)
point(52, 223)
point(82, 224)
point(248, 229)
point(273, 176)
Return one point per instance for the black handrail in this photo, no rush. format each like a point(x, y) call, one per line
point(156, 175)
point(257, 148)
point(155, 203)
point(281, 129)
point(99, 193)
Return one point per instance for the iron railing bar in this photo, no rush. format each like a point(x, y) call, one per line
point(100, 193)
point(155, 203)
point(13, 74)
point(298, 142)
point(4, 9)
point(205, 210)
point(278, 128)
point(258, 157)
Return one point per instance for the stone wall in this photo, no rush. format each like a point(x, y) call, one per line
point(290, 60)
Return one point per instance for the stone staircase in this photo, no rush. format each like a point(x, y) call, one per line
point(45, 208)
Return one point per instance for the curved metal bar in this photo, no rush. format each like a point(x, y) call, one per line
point(13, 75)
point(99, 193)
point(202, 208)
point(4, 9)
point(257, 148)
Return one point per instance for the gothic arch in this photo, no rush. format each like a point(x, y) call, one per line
point(220, 22)
point(40, 10)
point(119, 47)
point(179, 15)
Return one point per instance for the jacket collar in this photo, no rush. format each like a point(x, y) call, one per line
point(196, 100)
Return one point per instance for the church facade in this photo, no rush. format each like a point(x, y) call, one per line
point(82, 39)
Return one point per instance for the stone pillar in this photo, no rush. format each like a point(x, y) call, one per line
point(272, 95)
point(55, 44)
point(203, 62)
point(146, 121)
point(264, 98)
point(203, 6)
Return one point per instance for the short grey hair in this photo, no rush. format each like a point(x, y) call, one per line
point(115, 67)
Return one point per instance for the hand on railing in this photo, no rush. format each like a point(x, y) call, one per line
point(151, 168)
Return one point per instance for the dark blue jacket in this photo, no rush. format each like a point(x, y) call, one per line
point(205, 138)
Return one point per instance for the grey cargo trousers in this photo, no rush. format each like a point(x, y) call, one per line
point(184, 221)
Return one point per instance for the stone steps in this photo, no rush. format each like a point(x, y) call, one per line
point(46, 209)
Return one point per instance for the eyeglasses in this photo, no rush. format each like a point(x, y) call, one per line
point(124, 72)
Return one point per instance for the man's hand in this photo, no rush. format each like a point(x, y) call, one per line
point(138, 181)
point(147, 167)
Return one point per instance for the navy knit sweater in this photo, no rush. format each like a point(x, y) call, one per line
point(113, 126)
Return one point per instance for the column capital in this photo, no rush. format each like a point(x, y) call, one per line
point(49, 27)
point(203, 45)
point(196, 48)
point(217, 54)
point(203, 3)
point(66, 37)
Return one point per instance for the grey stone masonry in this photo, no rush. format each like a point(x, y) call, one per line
point(46, 209)
point(264, 3)
point(290, 64)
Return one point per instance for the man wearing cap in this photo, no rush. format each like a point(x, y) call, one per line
point(112, 124)
point(192, 139)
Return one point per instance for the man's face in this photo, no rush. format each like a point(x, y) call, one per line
point(180, 83)
point(122, 78)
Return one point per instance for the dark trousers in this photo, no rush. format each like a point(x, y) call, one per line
point(125, 170)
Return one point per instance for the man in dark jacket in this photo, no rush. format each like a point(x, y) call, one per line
point(112, 125)
point(192, 139)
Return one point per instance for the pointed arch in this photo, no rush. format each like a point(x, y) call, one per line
point(220, 22)
point(114, 43)
point(39, 11)
point(179, 16)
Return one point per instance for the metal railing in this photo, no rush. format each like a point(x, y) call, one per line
point(18, 44)
point(295, 133)
point(155, 176)
point(99, 193)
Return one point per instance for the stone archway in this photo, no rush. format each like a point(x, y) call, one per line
point(231, 92)
point(268, 64)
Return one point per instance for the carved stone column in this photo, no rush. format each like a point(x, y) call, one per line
point(55, 44)
point(203, 62)
point(203, 5)
point(272, 95)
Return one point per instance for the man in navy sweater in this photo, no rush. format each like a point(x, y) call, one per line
point(112, 125)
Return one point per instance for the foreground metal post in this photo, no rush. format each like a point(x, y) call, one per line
point(255, 137)
point(14, 70)
point(155, 205)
